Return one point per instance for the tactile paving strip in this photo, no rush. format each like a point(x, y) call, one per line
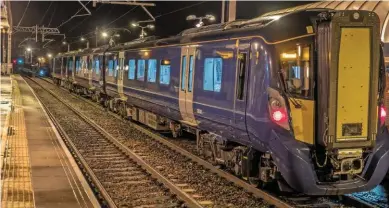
point(16, 188)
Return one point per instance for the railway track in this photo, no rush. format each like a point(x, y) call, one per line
point(185, 147)
point(123, 178)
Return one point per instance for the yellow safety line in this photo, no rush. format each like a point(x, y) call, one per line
point(16, 187)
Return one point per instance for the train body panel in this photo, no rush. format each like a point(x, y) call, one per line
point(254, 98)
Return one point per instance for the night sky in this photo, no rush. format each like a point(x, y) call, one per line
point(169, 22)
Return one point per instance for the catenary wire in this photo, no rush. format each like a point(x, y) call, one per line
point(24, 13)
point(177, 10)
point(48, 8)
point(52, 15)
point(85, 19)
point(73, 15)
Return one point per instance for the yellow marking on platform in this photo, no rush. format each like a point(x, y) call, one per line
point(16, 188)
point(196, 196)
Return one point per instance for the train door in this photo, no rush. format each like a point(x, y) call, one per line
point(120, 74)
point(188, 57)
point(90, 70)
point(73, 68)
point(242, 70)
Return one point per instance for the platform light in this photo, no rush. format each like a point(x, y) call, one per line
point(150, 26)
point(82, 39)
point(134, 24)
point(49, 55)
point(28, 49)
point(104, 34)
point(64, 43)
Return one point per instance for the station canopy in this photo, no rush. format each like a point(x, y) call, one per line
point(381, 8)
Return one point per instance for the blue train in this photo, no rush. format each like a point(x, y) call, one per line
point(293, 99)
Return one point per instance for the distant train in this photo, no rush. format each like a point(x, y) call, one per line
point(294, 99)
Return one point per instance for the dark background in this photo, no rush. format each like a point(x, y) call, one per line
point(169, 21)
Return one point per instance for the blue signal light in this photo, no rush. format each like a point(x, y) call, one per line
point(20, 61)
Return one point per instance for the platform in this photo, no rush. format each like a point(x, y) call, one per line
point(37, 170)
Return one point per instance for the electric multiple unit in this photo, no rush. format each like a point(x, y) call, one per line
point(294, 99)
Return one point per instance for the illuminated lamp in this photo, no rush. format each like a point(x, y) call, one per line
point(382, 115)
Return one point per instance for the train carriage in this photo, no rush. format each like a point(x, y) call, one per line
point(294, 98)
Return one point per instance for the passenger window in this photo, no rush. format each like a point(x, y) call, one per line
point(116, 67)
point(152, 70)
point(212, 74)
point(190, 81)
point(70, 66)
point(110, 67)
point(164, 74)
point(295, 70)
point(141, 70)
point(97, 66)
point(131, 69)
point(78, 66)
point(183, 72)
point(242, 61)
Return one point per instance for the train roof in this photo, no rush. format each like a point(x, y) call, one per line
point(381, 8)
point(296, 21)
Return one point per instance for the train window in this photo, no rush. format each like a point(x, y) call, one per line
point(152, 70)
point(190, 74)
point(141, 70)
point(295, 70)
point(70, 65)
point(131, 69)
point(78, 65)
point(90, 64)
point(183, 72)
point(115, 67)
point(164, 74)
point(242, 61)
point(97, 66)
point(110, 67)
point(212, 74)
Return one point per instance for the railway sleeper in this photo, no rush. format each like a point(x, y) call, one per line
point(255, 167)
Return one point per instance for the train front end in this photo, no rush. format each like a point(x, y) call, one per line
point(340, 144)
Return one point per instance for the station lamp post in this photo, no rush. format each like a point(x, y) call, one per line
point(143, 33)
point(208, 17)
point(111, 33)
point(30, 51)
point(66, 43)
point(87, 41)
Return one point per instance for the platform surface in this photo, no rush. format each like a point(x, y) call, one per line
point(37, 170)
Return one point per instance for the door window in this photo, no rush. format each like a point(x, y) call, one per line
point(190, 73)
point(242, 61)
point(183, 72)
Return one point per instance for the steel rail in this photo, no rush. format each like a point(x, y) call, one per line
point(191, 202)
point(162, 139)
point(80, 158)
point(237, 181)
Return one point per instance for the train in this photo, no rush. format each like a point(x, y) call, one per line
point(293, 99)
